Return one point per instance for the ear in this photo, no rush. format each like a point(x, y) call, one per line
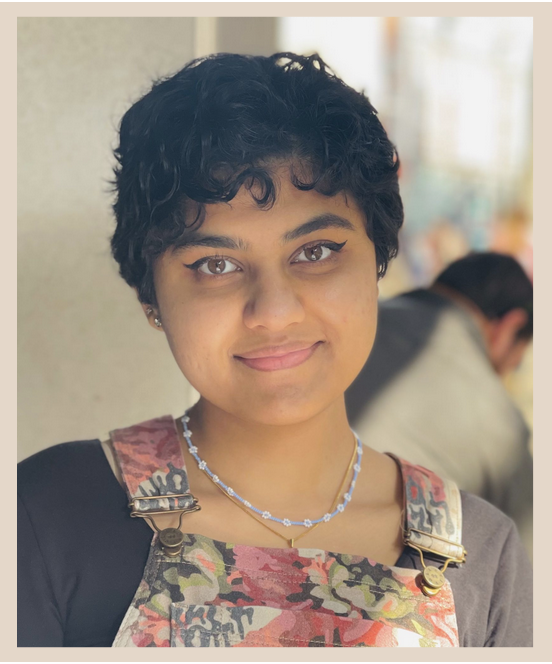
point(151, 313)
point(505, 349)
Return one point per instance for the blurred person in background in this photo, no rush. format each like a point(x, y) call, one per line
point(432, 389)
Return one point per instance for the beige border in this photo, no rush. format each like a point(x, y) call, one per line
point(542, 12)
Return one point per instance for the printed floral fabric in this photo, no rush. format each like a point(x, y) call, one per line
point(216, 594)
point(254, 626)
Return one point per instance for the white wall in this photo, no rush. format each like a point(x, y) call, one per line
point(88, 361)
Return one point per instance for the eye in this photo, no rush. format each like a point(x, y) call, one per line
point(218, 266)
point(214, 266)
point(317, 253)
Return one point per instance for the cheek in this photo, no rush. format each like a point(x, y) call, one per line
point(351, 307)
point(198, 333)
point(351, 302)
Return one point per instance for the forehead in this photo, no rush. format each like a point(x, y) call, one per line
point(291, 207)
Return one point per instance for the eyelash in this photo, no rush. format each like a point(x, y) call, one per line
point(333, 246)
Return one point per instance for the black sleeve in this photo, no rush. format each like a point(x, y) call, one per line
point(510, 621)
point(81, 555)
point(38, 617)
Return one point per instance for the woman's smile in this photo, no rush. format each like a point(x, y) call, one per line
point(278, 358)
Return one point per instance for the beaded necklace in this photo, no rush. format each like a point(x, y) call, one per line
point(307, 523)
point(292, 540)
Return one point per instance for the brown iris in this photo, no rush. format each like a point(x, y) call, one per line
point(216, 265)
point(313, 253)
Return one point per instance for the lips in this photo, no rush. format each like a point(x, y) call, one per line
point(275, 358)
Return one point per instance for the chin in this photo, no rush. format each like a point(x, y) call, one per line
point(280, 398)
point(284, 408)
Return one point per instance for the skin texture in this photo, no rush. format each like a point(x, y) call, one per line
point(279, 438)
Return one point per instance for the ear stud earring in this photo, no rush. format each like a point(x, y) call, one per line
point(157, 319)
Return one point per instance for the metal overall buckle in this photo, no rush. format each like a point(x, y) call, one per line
point(431, 578)
point(171, 540)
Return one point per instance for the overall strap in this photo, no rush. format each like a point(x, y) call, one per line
point(433, 513)
point(153, 469)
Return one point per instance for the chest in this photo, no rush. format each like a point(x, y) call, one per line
point(229, 592)
point(374, 534)
point(219, 595)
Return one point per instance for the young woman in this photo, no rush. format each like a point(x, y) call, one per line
point(257, 207)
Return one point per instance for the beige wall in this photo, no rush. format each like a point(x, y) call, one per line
point(254, 36)
point(88, 361)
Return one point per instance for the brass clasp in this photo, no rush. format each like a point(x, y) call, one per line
point(432, 578)
point(171, 540)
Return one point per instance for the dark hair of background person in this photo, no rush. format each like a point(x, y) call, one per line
point(225, 121)
point(495, 283)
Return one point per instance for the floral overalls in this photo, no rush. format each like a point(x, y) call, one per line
point(198, 592)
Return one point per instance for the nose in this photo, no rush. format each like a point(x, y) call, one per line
point(273, 304)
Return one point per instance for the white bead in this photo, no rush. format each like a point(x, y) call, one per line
point(186, 418)
point(188, 433)
point(347, 497)
point(202, 465)
point(307, 523)
point(266, 515)
point(356, 467)
point(193, 449)
point(340, 507)
point(360, 451)
point(353, 483)
point(327, 517)
point(230, 491)
point(215, 479)
point(287, 522)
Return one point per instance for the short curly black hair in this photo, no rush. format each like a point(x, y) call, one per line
point(219, 124)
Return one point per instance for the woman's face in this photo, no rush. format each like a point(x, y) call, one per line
point(271, 314)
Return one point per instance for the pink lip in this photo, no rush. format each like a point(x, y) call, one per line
point(279, 358)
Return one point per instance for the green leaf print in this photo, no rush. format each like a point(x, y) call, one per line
point(160, 603)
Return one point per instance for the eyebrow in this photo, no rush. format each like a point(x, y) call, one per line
point(320, 222)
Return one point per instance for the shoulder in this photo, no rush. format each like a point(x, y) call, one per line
point(492, 589)
point(416, 307)
point(484, 523)
point(492, 536)
point(65, 477)
point(497, 577)
point(80, 554)
point(70, 498)
point(59, 462)
point(460, 516)
point(479, 520)
point(413, 301)
point(477, 509)
point(59, 453)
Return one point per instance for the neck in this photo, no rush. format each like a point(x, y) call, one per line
point(275, 465)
